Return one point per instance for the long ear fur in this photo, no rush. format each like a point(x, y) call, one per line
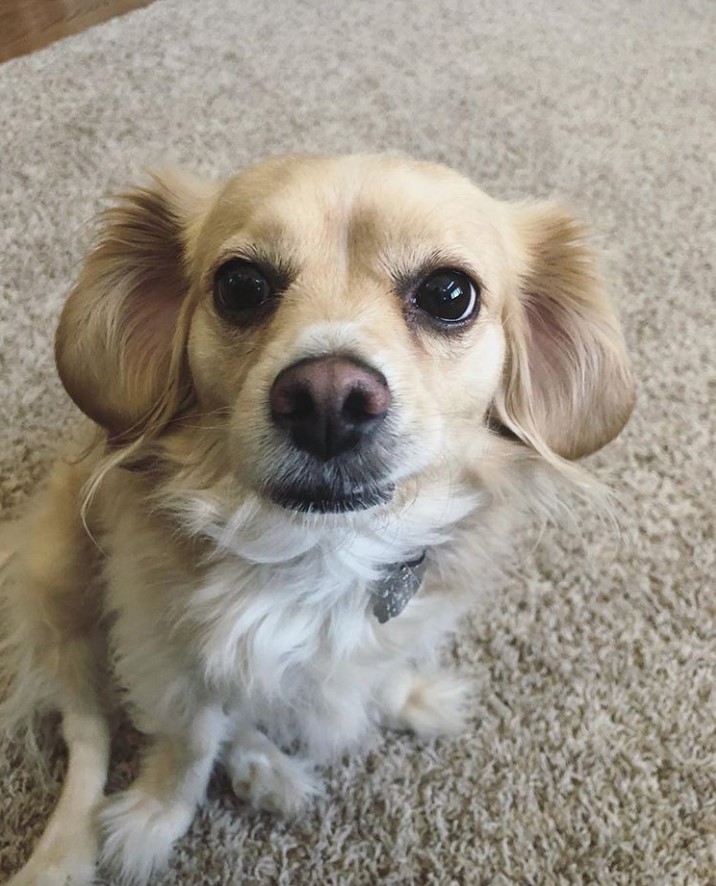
point(568, 388)
point(121, 339)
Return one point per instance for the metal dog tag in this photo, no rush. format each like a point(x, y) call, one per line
point(392, 593)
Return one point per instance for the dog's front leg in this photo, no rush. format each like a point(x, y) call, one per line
point(140, 825)
point(262, 774)
point(66, 852)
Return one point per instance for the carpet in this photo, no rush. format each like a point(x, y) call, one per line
point(591, 752)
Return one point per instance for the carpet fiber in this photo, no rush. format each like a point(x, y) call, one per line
point(591, 755)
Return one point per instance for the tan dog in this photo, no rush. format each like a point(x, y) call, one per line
point(325, 388)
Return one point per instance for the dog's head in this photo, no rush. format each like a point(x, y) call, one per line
point(344, 324)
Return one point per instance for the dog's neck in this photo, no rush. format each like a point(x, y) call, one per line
point(241, 524)
point(284, 591)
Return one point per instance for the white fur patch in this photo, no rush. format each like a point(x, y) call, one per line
point(283, 620)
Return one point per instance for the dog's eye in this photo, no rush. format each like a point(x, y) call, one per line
point(239, 287)
point(448, 295)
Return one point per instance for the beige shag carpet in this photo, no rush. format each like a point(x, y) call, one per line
point(591, 756)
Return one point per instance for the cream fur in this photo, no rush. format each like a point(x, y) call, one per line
point(239, 630)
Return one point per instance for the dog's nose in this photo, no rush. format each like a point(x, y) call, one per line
point(329, 404)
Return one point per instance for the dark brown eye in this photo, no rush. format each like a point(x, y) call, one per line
point(240, 287)
point(448, 296)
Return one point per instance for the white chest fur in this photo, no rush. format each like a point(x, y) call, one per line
point(277, 623)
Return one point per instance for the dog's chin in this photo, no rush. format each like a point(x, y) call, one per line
point(326, 501)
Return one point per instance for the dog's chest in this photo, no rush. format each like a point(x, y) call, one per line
point(266, 629)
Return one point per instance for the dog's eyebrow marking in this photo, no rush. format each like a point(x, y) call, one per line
point(282, 269)
point(266, 255)
point(408, 271)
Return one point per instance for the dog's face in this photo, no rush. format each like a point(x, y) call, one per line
point(348, 324)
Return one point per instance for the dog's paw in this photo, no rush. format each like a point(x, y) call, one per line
point(267, 778)
point(138, 831)
point(67, 860)
point(426, 704)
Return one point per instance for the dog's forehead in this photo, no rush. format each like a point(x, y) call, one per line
point(363, 203)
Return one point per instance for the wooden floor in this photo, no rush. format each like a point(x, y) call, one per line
point(27, 25)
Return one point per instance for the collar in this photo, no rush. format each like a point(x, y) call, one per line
point(399, 583)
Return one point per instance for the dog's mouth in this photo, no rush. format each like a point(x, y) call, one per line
point(325, 500)
point(353, 481)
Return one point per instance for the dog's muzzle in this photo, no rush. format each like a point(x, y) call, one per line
point(332, 412)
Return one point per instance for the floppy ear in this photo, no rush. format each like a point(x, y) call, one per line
point(568, 388)
point(120, 342)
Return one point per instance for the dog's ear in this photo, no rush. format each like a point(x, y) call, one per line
point(121, 339)
point(568, 388)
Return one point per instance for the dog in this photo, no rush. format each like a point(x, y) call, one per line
point(321, 395)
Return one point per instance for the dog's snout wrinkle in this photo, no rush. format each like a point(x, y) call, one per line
point(329, 405)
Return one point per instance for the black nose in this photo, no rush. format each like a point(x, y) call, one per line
point(329, 405)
